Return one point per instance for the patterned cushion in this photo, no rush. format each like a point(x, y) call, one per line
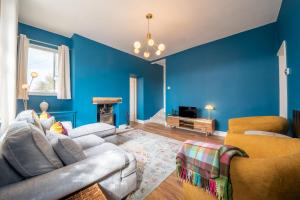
point(47, 123)
point(31, 117)
point(45, 115)
point(67, 150)
point(58, 127)
point(27, 149)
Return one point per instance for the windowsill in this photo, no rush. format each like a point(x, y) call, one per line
point(42, 94)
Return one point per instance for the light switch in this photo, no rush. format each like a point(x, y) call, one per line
point(287, 71)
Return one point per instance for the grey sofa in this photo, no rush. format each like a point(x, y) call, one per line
point(105, 163)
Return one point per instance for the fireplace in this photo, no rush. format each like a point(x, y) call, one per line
point(105, 113)
point(105, 109)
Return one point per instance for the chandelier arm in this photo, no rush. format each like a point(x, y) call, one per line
point(155, 49)
point(148, 26)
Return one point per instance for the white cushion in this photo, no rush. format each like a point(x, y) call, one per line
point(266, 133)
point(31, 117)
point(68, 125)
point(88, 141)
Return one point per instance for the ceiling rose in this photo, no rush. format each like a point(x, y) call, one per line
point(149, 47)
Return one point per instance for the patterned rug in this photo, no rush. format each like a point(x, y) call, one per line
point(156, 157)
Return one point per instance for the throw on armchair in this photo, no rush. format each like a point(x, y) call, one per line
point(272, 170)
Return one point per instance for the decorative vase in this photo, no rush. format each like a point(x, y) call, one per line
point(44, 106)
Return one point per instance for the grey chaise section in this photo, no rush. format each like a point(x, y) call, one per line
point(66, 180)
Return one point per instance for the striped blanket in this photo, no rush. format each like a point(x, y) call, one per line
point(207, 166)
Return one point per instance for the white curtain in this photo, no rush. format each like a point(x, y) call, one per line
point(63, 81)
point(8, 55)
point(22, 66)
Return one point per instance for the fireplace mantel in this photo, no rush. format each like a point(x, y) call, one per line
point(107, 100)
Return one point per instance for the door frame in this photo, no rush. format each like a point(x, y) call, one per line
point(132, 98)
point(283, 83)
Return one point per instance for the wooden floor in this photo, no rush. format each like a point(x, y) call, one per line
point(171, 188)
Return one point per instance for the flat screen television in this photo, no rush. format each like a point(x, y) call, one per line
point(185, 111)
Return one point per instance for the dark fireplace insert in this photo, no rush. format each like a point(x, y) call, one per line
point(105, 113)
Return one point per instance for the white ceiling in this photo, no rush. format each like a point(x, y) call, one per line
point(180, 24)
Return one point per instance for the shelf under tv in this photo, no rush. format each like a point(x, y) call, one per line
point(202, 125)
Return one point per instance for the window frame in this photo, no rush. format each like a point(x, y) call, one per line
point(40, 47)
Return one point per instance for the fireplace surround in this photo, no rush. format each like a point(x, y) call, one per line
point(105, 109)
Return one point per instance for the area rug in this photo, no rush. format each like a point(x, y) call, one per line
point(156, 158)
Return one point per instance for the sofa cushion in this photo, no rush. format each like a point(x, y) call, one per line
point(107, 148)
point(88, 141)
point(27, 149)
point(31, 117)
point(67, 149)
point(103, 148)
point(8, 175)
point(98, 129)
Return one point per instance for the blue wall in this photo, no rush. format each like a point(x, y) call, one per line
point(238, 74)
point(140, 97)
point(101, 71)
point(289, 30)
point(52, 38)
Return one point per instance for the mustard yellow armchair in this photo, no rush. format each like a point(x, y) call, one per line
point(272, 171)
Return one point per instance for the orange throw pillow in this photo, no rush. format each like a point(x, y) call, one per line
point(58, 127)
point(45, 115)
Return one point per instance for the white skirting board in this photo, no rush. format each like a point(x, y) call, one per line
point(123, 126)
point(220, 133)
point(142, 121)
point(216, 133)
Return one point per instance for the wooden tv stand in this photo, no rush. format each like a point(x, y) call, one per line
point(202, 125)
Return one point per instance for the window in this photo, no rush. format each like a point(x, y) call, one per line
point(44, 61)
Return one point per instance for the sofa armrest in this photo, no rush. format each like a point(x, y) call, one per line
point(272, 178)
point(64, 181)
point(262, 146)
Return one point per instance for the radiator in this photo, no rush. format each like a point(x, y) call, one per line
point(296, 123)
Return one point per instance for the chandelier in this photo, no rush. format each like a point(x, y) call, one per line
point(149, 47)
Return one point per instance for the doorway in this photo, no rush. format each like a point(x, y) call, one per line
point(283, 96)
point(133, 98)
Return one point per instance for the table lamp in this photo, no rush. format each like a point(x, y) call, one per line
point(209, 108)
point(26, 87)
